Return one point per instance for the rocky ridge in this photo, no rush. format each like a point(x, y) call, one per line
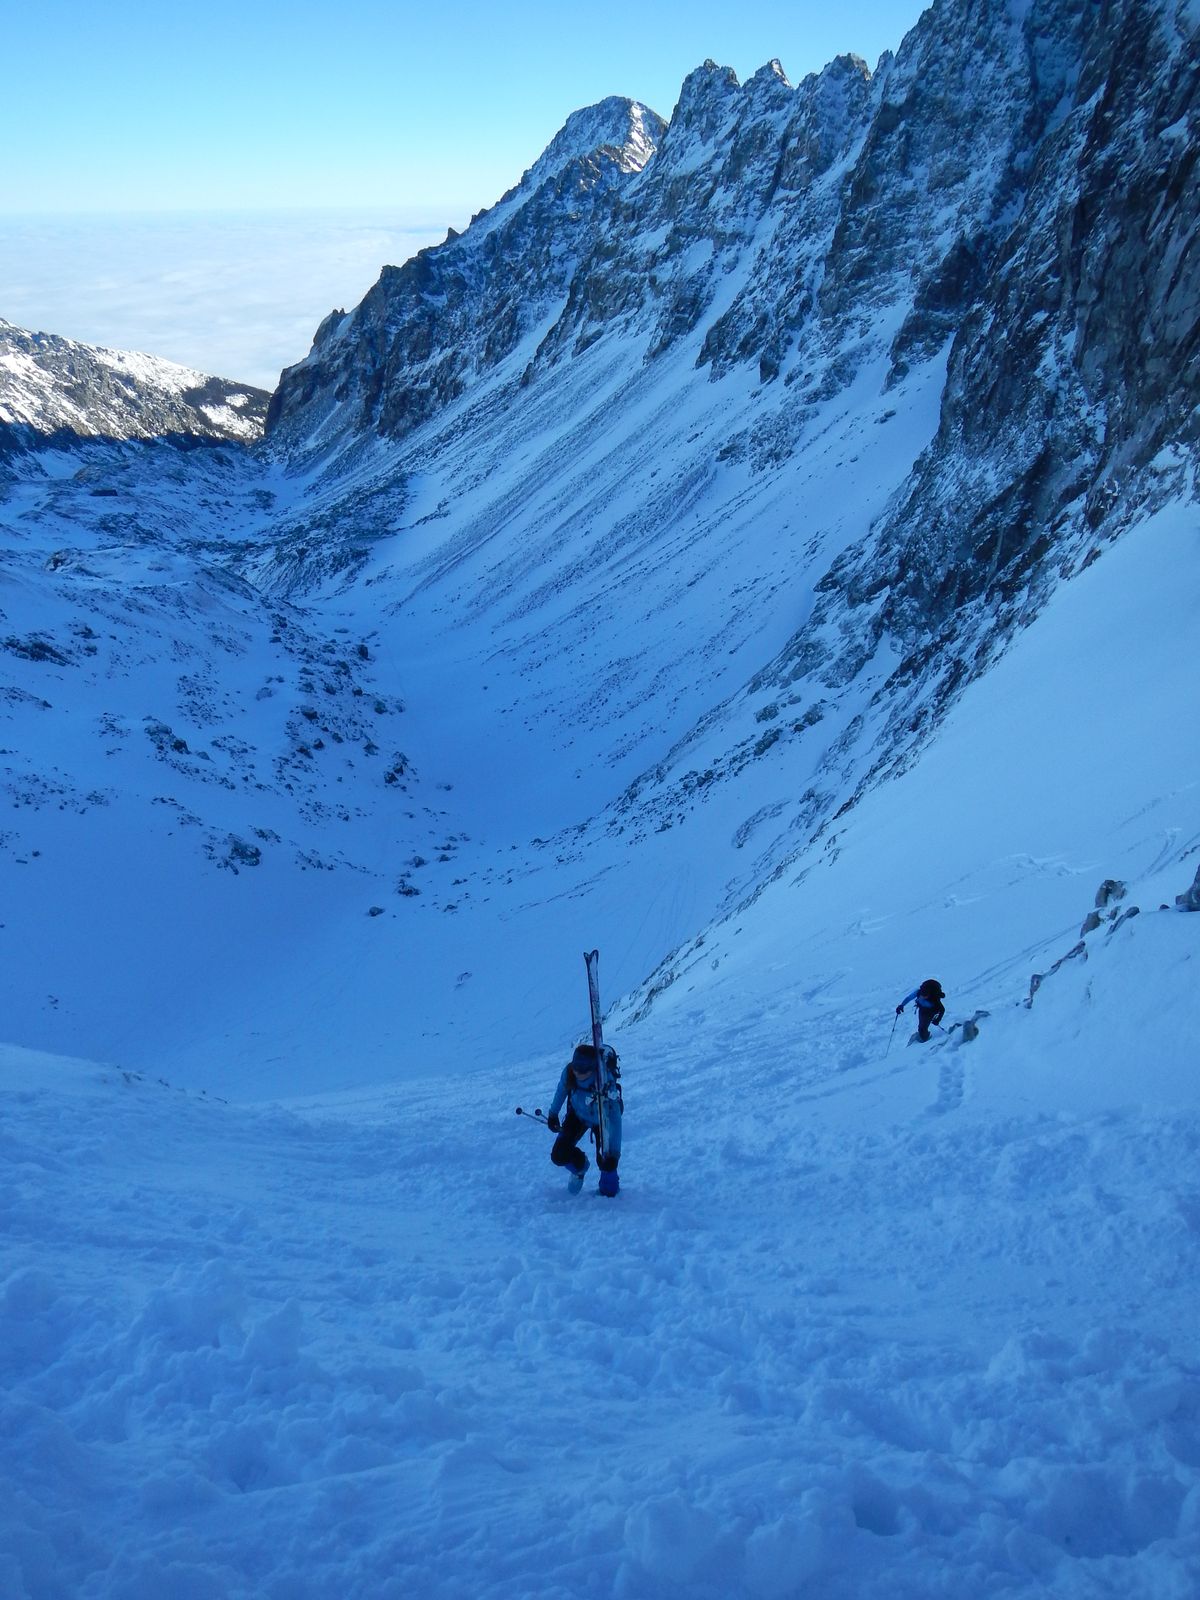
point(414, 342)
point(1005, 204)
point(51, 385)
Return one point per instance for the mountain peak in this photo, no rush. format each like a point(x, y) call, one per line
point(772, 72)
point(706, 81)
point(626, 129)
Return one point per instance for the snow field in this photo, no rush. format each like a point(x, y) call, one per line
point(867, 1320)
point(856, 1334)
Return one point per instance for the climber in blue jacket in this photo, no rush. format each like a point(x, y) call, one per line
point(931, 1007)
point(577, 1089)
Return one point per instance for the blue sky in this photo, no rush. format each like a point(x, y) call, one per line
point(141, 105)
point(205, 182)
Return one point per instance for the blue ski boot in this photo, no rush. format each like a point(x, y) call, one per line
point(576, 1176)
point(609, 1183)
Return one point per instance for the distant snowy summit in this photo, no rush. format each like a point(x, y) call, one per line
point(422, 319)
point(625, 131)
point(50, 384)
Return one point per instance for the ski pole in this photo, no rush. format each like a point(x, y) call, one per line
point(534, 1116)
point(892, 1035)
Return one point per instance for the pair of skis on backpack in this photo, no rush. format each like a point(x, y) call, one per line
point(610, 1105)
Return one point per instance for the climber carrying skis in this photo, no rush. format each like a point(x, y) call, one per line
point(931, 1008)
point(578, 1090)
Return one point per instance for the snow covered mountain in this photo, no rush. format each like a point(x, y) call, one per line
point(428, 327)
point(50, 385)
point(758, 454)
point(763, 546)
point(677, 501)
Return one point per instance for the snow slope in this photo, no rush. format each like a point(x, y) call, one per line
point(717, 590)
point(1062, 767)
point(482, 587)
point(867, 1319)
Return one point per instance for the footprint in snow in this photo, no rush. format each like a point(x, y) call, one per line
point(951, 1085)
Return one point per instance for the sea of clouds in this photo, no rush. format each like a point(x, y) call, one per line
point(235, 294)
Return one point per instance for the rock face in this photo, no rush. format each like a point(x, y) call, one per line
point(1017, 182)
point(1062, 271)
point(1076, 362)
point(1005, 212)
point(447, 317)
point(50, 384)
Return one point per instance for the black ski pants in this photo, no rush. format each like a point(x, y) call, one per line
point(565, 1151)
point(925, 1016)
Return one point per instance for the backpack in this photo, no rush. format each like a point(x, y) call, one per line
point(584, 1057)
point(931, 989)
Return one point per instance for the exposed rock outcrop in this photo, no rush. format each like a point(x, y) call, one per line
point(443, 320)
point(50, 385)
